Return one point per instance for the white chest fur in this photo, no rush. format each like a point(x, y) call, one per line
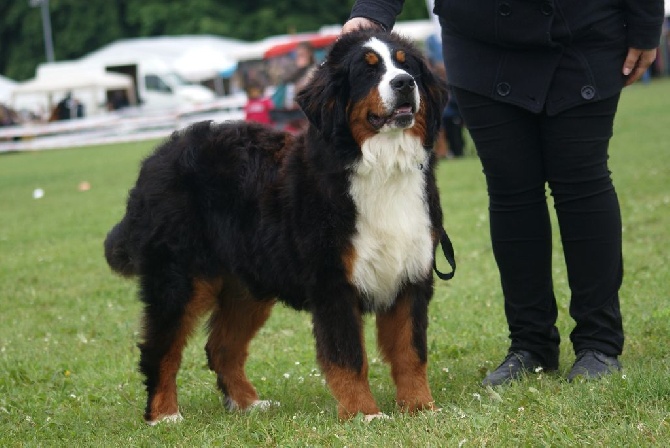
point(393, 238)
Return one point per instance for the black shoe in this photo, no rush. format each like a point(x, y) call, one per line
point(515, 365)
point(591, 364)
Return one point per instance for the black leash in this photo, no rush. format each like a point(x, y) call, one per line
point(448, 251)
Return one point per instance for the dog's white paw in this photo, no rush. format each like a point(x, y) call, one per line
point(261, 405)
point(379, 416)
point(230, 404)
point(172, 418)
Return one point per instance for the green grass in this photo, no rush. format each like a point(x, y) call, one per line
point(69, 328)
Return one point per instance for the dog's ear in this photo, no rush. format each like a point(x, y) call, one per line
point(434, 91)
point(323, 100)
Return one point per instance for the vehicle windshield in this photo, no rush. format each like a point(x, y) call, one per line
point(173, 79)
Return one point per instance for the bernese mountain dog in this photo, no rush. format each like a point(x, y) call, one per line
point(344, 220)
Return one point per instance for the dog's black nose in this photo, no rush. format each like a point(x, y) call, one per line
point(403, 83)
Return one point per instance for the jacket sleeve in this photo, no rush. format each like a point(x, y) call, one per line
point(644, 19)
point(383, 12)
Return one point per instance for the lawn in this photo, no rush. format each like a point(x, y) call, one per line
point(69, 327)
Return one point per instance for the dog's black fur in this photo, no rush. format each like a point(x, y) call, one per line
point(232, 213)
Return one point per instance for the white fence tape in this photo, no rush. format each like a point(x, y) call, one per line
point(115, 128)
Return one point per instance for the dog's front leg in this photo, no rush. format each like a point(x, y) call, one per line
point(401, 336)
point(340, 348)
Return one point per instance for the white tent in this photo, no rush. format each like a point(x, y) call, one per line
point(203, 62)
point(83, 81)
point(6, 87)
point(194, 58)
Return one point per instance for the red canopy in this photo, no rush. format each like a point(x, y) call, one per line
point(317, 41)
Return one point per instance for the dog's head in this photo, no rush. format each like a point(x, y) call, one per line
point(373, 82)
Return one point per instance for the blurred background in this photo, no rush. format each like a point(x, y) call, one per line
point(120, 69)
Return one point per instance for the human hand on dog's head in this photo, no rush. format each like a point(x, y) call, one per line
point(359, 23)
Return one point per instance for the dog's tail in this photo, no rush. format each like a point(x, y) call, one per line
point(116, 250)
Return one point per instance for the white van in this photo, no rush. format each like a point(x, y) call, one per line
point(159, 87)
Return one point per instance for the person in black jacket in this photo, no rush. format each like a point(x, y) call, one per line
point(538, 84)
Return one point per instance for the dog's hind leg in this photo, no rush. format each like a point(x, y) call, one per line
point(172, 309)
point(401, 336)
point(235, 321)
point(340, 346)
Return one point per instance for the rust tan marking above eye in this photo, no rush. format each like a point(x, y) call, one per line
point(400, 56)
point(371, 58)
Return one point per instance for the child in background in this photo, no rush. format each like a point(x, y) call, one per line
point(258, 107)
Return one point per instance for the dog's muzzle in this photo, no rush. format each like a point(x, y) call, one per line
point(405, 105)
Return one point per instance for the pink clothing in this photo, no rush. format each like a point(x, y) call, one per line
point(258, 110)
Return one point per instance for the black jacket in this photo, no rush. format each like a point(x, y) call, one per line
point(537, 54)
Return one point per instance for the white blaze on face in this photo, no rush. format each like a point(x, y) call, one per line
point(386, 92)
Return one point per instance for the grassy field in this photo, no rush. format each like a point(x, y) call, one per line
point(69, 328)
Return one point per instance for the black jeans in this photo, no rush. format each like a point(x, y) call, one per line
point(520, 153)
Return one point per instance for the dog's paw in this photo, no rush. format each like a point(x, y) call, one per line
point(172, 418)
point(367, 418)
point(230, 404)
point(261, 405)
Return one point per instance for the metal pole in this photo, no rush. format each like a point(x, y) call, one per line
point(46, 27)
point(46, 24)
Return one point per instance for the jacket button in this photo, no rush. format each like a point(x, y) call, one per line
point(504, 9)
point(588, 92)
point(547, 8)
point(503, 88)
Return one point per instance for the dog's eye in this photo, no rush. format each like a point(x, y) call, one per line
point(402, 59)
point(371, 58)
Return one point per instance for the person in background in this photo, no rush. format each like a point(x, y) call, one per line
point(304, 66)
point(118, 99)
point(8, 117)
point(451, 131)
point(538, 85)
point(305, 63)
point(452, 123)
point(258, 106)
point(436, 65)
point(68, 108)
